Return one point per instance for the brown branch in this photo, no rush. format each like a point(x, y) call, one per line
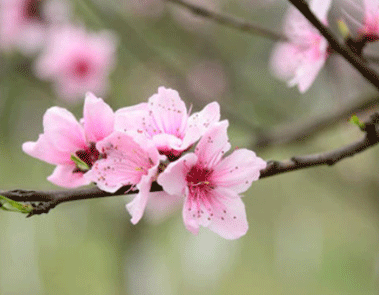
point(231, 21)
point(50, 199)
point(306, 129)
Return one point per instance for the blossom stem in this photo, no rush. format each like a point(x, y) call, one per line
point(231, 21)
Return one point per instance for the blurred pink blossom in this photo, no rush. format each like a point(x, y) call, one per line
point(24, 23)
point(77, 61)
point(165, 120)
point(370, 29)
point(129, 159)
point(211, 184)
point(64, 136)
point(299, 60)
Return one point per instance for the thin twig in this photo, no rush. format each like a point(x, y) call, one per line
point(231, 21)
point(306, 129)
point(50, 199)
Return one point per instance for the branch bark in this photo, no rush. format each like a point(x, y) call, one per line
point(50, 199)
point(231, 21)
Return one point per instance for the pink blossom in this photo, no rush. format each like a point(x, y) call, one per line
point(165, 120)
point(211, 184)
point(77, 61)
point(299, 60)
point(129, 159)
point(64, 136)
point(370, 28)
point(24, 23)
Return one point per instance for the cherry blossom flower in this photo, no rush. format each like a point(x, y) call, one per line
point(24, 23)
point(129, 159)
point(299, 60)
point(77, 61)
point(211, 184)
point(64, 138)
point(370, 28)
point(165, 120)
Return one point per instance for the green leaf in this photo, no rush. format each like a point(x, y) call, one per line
point(10, 205)
point(344, 30)
point(83, 166)
point(355, 121)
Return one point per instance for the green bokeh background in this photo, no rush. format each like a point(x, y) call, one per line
point(313, 231)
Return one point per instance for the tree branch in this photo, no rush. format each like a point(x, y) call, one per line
point(306, 129)
point(50, 199)
point(231, 21)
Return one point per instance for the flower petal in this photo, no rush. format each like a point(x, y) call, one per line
point(98, 118)
point(229, 220)
point(125, 163)
point(161, 206)
point(131, 118)
point(213, 144)
point(199, 123)
point(169, 111)
point(63, 131)
point(42, 149)
point(238, 170)
point(137, 207)
point(320, 8)
point(63, 176)
point(173, 178)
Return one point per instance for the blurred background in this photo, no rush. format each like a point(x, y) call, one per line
point(314, 231)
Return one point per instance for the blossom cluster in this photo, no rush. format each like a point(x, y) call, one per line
point(299, 59)
point(76, 61)
point(138, 145)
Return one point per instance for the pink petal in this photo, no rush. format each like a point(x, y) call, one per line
point(42, 149)
point(63, 176)
point(161, 206)
point(191, 217)
point(285, 59)
point(229, 220)
point(237, 171)
point(167, 142)
point(125, 163)
point(133, 118)
point(199, 123)
point(137, 207)
point(224, 214)
point(169, 111)
point(213, 145)
point(98, 118)
point(63, 131)
point(320, 8)
point(173, 178)
point(307, 73)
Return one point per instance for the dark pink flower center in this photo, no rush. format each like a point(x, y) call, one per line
point(81, 68)
point(32, 9)
point(88, 156)
point(199, 181)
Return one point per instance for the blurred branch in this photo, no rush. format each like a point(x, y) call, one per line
point(342, 49)
point(231, 21)
point(306, 129)
point(50, 199)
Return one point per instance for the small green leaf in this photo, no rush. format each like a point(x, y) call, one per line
point(10, 205)
point(80, 163)
point(344, 30)
point(355, 121)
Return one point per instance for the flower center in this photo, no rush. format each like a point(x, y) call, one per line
point(32, 9)
point(89, 156)
point(199, 181)
point(81, 68)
